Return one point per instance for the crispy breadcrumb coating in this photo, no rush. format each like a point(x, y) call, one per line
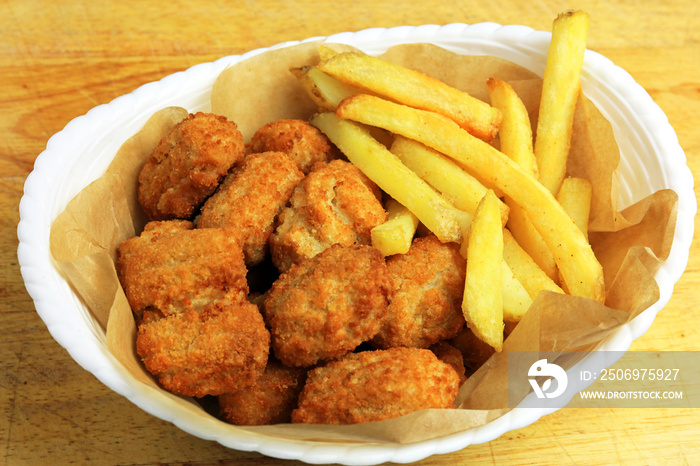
point(250, 198)
point(305, 144)
point(448, 354)
point(187, 165)
point(376, 385)
point(171, 268)
point(326, 306)
point(426, 305)
point(222, 348)
point(270, 400)
point(285, 353)
point(336, 203)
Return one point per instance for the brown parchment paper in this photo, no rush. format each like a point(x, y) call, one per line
point(629, 244)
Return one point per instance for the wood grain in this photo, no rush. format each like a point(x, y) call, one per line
point(60, 59)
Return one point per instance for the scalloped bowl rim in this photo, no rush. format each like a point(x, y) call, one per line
point(96, 131)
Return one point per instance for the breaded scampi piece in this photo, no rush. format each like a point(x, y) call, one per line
point(187, 165)
point(305, 144)
point(250, 198)
point(336, 203)
point(376, 385)
point(326, 306)
point(428, 289)
point(270, 400)
point(222, 348)
point(171, 268)
point(448, 354)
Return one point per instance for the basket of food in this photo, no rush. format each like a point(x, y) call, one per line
point(325, 250)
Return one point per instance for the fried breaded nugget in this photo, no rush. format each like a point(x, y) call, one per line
point(448, 354)
point(171, 268)
point(187, 165)
point(326, 306)
point(270, 400)
point(376, 385)
point(428, 288)
point(222, 348)
point(336, 203)
point(305, 144)
point(158, 227)
point(250, 198)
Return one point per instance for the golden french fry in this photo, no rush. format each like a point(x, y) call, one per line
point(413, 88)
point(482, 303)
point(456, 185)
point(561, 87)
point(579, 268)
point(324, 90)
point(575, 197)
point(530, 240)
point(515, 132)
point(516, 142)
point(516, 299)
point(327, 92)
point(396, 234)
point(525, 270)
point(392, 176)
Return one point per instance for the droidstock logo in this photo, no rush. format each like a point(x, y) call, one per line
point(541, 369)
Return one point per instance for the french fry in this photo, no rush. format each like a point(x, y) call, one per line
point(579, 268)
point(561, 86)
point(396, 234)
point(324, 90)
point(575, 197)
point(482, 303)
point(456, 185)
point(530, 239)
point(516, 142)
point(525, 270)
point(327, 92)
point(392, 176)
point(413, 88)
point(516, 299)
point(515, 132)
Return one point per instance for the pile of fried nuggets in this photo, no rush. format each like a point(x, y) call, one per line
point(255, 282)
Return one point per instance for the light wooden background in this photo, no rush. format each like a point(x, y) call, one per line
point(60, 58)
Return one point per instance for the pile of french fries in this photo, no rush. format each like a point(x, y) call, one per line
point(520, 221)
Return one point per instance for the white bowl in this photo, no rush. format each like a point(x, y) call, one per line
point(651, 160)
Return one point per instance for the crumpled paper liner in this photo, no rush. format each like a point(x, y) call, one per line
point(629, 244)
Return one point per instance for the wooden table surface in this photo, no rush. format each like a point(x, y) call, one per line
point(59, 59)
